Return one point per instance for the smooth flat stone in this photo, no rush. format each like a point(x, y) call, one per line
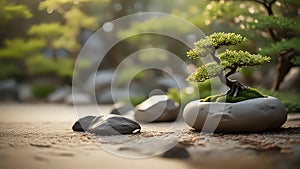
point(157, 108)
point(246, 116)
point(113, 125)
point(78, 98)
point(83, 123)
point(59, 95)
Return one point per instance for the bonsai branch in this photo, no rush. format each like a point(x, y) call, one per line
point(215, 58)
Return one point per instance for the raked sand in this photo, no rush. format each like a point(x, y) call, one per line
point(40, 136)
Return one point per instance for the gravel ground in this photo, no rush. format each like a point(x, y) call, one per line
point(40, 136)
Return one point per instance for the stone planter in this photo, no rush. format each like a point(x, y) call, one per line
point(246, 116)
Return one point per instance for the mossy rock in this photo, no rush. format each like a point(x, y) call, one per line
point(247, 94)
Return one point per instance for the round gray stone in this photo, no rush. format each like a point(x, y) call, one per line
point(59, 95)
point(78, 98)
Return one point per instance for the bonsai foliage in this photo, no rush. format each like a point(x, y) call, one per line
point(226, 63)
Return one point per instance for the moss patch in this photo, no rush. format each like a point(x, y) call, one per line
point(250, 93)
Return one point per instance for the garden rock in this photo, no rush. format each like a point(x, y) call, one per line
point(83, 123)
point(246, 116)
point(176, 152)
point(101, 79)
point(78, 98)
point(123, 110)
point(8, 89)
point(113, 125)
point(25, 93)
point(157, 108)
point(59, 95)
point(166, 82)
point(107, 97)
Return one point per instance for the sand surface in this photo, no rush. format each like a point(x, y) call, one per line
point(40, 136)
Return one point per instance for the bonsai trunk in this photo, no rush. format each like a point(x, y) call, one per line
point(234, 87)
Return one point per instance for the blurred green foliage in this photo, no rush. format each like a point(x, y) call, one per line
point(283, 45)
point(10, 11)
point(17, 48)
point(276, 22)
point(132, 71)
point(42, 90)
point(195, 91)
point(288, 98)
point(134, 101)
point(46, 27)
point(160, 24)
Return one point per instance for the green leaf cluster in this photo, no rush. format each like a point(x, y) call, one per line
point(205, 72)
point(283, 45)
point(9, 11)
point(62, 35)
point(230, 59)
point(27, 53)
point(19, 48)
point(47, 30)
point(274, 22)
point(213, 42)
point(220, 39)
point(39, 65)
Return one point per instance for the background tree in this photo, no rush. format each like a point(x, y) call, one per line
point(9, 57)
point(283, 31)
point(48, 42)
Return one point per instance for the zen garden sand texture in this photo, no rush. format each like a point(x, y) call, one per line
point(40, 136)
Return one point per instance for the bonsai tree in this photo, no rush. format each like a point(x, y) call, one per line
point(226, 64)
